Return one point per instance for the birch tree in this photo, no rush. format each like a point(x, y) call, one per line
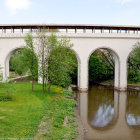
point(30, 58)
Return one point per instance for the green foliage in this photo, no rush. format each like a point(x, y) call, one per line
point(74, 72)
point(22, 115)
point(1, 74)
point(17, 63)
point(101, 66)
point(9, 91)
point(134, 59)
point(61, 109)
point(134, 76)
point(5, 98)
point(61, 63)
point(67, 92)
point(134, 64)
point(97, 69)
point(30, 58)
point(45, 45)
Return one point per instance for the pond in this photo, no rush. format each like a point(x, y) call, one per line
point(110, 115)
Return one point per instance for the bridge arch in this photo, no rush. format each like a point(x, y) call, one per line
point(117, 63)
point(7, 59)
point(11, 51)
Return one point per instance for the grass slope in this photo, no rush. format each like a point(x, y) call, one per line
point(22, 114)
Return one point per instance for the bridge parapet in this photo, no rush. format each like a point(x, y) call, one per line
point(70, 28)
point(74, 35)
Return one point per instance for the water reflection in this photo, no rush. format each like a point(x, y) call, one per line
point(103, 116)
point(133, 108)
point(132, 119)
point(100, 106)
point(110, 115)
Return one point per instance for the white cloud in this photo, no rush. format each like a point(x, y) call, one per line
point(124, 1)
point(16, 5)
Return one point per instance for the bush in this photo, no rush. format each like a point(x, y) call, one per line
point(68, 92)
point(5, 98)
point(134, 76)
point(62, 64)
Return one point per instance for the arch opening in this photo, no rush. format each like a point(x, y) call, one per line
point(18, 65)
point(15, 65)
point(104, 66)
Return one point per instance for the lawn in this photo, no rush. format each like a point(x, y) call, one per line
point(22, 111)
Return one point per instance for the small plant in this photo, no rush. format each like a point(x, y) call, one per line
point(1, 74)
point(5, 98)
point(10, 90)
point(68, 92)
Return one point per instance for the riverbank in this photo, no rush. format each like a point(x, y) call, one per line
point(129, 86)
point(80, 127)
point(53, 112)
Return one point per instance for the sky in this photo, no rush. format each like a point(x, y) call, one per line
point(112, 12)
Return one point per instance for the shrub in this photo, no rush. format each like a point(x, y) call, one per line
point(134, 76)
point(5, 98)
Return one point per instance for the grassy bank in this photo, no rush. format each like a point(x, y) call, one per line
point(22, 110)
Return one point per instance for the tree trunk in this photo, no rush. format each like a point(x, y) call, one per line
point(45, 85)
point(32, 85)
point(49, 88)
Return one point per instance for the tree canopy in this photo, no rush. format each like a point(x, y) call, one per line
point(61, 63)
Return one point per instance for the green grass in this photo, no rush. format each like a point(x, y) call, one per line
point(60, 108)
point(21, 115)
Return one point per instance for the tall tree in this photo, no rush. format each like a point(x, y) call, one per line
point(134, 59)
point(61, 63)
point(43, 48)
point(30, 58)
point(134, 64)
point(56, 60)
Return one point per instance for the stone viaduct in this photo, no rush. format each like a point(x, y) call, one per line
point(119, 40)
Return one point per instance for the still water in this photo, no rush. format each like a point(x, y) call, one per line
point(110, 115)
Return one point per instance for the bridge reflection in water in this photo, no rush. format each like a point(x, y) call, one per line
point(109, 114)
